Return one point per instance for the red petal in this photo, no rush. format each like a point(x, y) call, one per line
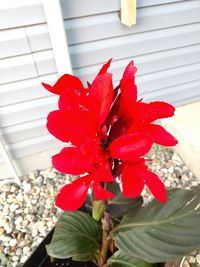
point(74, 98)
point(71, 161)
point(71, 126)
point(132, 181)
point(103, 173)
point(105, 67)
point(72, 196)
point(160, 110)
point(156, 186)
point(160, 135)
point(127, 84)
point(66, 81)
point(131, 146)
point(101, 92)
point(100, 193)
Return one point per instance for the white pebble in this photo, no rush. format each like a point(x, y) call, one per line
point(26, 250)
point(171, 169)
point(27, 187)
point(167, 183)
point(23, 258)
point(13, 207)
point(15, 258)
point(34, 232)
point(18, 220)
point(13, 242)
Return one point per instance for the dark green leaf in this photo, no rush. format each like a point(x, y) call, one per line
point(160, 233)
point(121, 205)
point(113, 187)
point(119, 259)
point(76, 235)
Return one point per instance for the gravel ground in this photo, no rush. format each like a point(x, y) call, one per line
point(28, 213)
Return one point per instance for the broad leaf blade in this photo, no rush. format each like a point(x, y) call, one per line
point(160, 233)
point(76, 235)
point(119, 259)
point(121, 205)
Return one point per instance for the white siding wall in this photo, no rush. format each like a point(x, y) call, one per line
point(165, 44)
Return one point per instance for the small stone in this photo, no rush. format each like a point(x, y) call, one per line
point(19, 197)
point(13, 242)
point(18, 220)
point(5, 188)
point(27, 187)
point(34, 232)
point(13, 189)
point(34, 201)
point(23, 258)
point(171, 169)
point(1, 230)
point(13, 207)
point(39, 180)
point(18, 252)
point(33, 175)
point(26, 250)
point(15, 258)
point(167, 183)
point(185, 178)
point(198, 258)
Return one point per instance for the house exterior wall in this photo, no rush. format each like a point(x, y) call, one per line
point(165, 45)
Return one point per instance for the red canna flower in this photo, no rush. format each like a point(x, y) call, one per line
point(109, 131)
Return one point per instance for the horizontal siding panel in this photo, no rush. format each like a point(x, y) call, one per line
point(133, 45)
point(15, 13)
point(45, 62)
point(17, 68)
point(82, 8)
point(28, 111)
point(33, 146)
point(21, 91)
point(176, 95)
point(167, 78)
point(147, 63)
point(24, 131)
point(103, 26)
point(17, 37)
point(108, 25)
point(38, 36)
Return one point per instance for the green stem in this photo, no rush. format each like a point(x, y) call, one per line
point(105, 240)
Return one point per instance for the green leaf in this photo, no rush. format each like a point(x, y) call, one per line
point(160, 233)
point(76, 235)
point(121, 205)
point(120, 259)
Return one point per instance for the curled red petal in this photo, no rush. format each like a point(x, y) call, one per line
point(105, 67)
point(128, 86)
point(100, 193)
point(101, 92)
point(131, 146)
point(156, 186)
point(72, 196)
point(161, 136)
point(65, 81)
point(71, 161)
point(132, 181)
point(71, 126)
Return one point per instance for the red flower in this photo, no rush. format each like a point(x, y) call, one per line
point(109, 131)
